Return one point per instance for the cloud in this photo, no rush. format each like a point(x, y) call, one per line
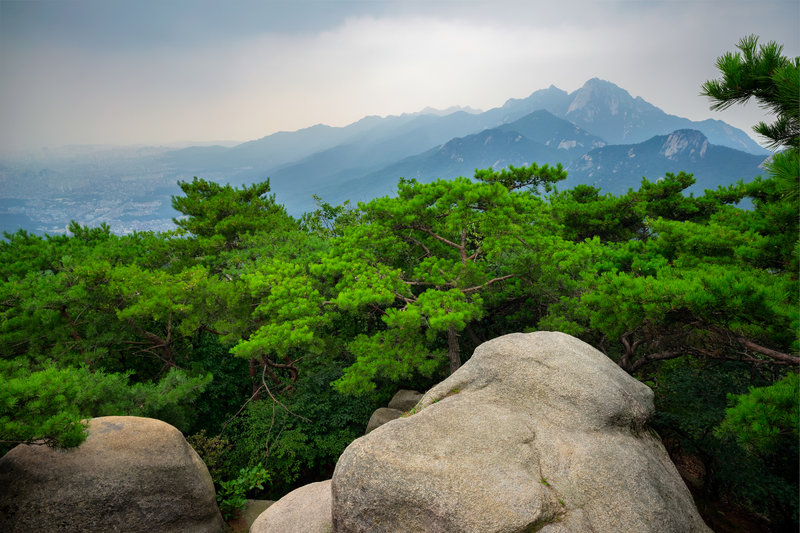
point(195, 72)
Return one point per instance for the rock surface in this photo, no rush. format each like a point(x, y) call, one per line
point(131, 474)
point(304, 510)
point(405, 400)
point(380, 416)
point(536, 432)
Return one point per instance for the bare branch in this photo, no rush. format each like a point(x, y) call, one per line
point(463, 248)
point(650, 358)
point(274, 399)
point(208, 328)
point(475, 255)
point(251, 398)
point(418, 243)
point(774, 354)
point(435, 236)
point(495, 280)
point(404, 299)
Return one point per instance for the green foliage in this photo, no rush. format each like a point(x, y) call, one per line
point(51, 405)
point(327, 220)
point(410, 356)
point(213, 451)
point(767, 485)
point(223, 397)
point(300, 439)
point(765, 420)
point(532, 177)
point(776, 204)
point(289, 309)
point(225, 213)
point(232, 495)
point(424, 261)
point(763, 73)
point(232, 489)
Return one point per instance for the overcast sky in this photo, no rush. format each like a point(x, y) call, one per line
point(154, 72)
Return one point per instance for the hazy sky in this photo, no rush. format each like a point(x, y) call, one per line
point(141, 71)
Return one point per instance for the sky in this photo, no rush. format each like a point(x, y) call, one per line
point(177, 71)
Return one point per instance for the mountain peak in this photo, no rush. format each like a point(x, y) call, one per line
point(552, 99)
point(598, 97)
point(444, 112)
point(688, 142)
point(597, 82)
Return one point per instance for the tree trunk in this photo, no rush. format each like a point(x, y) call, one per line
point(65, 316)
point(453, 349)
point(256, 385)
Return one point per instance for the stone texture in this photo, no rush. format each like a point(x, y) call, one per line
point(381, 416)
point(131, 474)
point(405, 400)
point(304, 510)
point(536, 432)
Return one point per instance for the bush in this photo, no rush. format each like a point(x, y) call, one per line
point(232, 496)
point(692, 413)
point(303, 445)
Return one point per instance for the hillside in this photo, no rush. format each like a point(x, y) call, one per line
point(617, 168)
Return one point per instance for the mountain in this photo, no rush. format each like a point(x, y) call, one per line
point(494, 148)
point(389, 140)
point(381, 138)
point(552, 99)
point(545, 128)
point(537, 137)
point(321, 153)
point(606, 110)
point(616, 168)
point(131, 189)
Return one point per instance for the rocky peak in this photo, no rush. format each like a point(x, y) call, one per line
point(690, 143)
point(598, 97)
point(552, 99)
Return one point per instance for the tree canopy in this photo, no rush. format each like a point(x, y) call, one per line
point(761, 72)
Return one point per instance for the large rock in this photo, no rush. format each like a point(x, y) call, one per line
point(405, 400)
point(131, 474)
point(380, 416)
point(536, 432)
point(304, 510)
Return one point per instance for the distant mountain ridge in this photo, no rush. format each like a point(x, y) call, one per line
point(598, 107)
point(599, 132)
point(357, 161)
point(616, 168)
point(538, 137)
point(610, 112)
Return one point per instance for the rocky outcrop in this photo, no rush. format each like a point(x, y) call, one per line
point(304, 510)
point(405, 400)
point(380, 416)
point(131, 474)
point(536, 432)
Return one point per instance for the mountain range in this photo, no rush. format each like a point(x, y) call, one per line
point(600, 133)
point(365, 159)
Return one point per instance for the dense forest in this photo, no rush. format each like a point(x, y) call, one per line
point(269, 340)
